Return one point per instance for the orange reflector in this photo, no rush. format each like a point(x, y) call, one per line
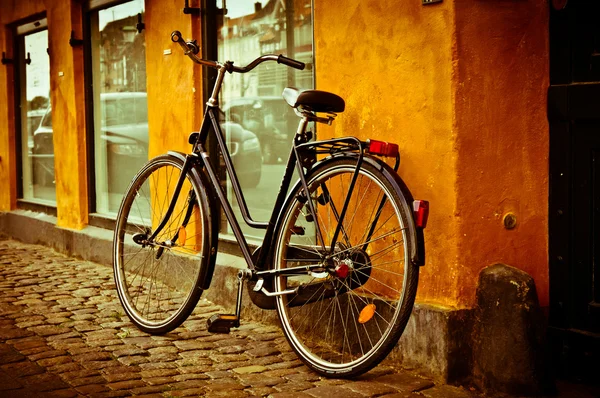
point(181, 237)
point(382, 148)
point(367, 313)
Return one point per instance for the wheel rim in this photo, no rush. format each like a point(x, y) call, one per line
point(158, 279)
point(327, 332)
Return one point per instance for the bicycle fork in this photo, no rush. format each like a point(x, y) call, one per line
point(143, 239)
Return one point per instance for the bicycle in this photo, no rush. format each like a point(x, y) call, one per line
point(343, 283)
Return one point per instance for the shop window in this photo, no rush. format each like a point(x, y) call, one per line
point(36, 164)
point(120, 110)
point(259, 125)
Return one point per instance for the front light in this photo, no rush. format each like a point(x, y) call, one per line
point(251, 144)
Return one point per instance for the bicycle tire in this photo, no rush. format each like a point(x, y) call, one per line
point(330, 300)
point(160, 284)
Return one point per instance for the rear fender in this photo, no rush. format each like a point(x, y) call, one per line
point(417, 254)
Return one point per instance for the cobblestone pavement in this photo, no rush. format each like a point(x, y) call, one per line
point(63, 333)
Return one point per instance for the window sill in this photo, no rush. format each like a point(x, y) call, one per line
point(46, 207)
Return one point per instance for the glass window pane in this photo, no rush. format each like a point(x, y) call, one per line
point(37, 149)
point(259, 125)
point(120, 101)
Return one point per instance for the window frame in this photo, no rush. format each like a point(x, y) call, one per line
point(95, 218)
point(20, 29)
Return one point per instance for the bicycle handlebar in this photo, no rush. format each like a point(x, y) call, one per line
point(190, 48)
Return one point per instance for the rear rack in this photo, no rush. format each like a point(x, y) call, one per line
point(346, 144)
point(333, 146)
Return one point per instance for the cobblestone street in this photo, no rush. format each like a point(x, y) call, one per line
point(63, 333)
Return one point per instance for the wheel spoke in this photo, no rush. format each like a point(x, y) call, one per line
point(158, 282)
point(343, 324)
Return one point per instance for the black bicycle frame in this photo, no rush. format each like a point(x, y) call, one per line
point(211, 120)
point(200, 158)
point(294, 161)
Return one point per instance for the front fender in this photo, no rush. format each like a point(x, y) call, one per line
point(208, 198)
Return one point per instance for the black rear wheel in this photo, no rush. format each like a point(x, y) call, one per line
point(346, 315)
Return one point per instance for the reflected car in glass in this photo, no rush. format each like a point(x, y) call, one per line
point(41, 176)
point(270, 118)
point(42, 151)
point(124, 124)
point(244, 148)
point(34, 117)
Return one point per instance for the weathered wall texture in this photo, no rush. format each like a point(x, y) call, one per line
point(68, 107)
point(502, 138)
point(8, 162)
point(392, 63)
point(461, 87)
point(174, 82)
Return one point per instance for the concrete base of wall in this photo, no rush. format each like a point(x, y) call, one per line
point(434, 340)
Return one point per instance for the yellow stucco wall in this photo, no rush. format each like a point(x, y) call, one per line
point(68, 107)
point(8, 162)
point(461, 87)
point(392, 61)
point(502, 80)
point(174, 82)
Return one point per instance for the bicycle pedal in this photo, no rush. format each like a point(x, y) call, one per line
point(222, 323)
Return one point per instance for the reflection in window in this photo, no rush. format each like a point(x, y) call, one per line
point(37, 149)
point(120, 101)
point(254, 109)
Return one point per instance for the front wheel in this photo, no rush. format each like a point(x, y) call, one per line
point(158, 280)
point(348, 313)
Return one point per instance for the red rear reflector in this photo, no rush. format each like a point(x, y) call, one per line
point(382, 148)
point(421, 212)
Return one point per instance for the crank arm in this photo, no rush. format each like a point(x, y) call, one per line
point(259, 287)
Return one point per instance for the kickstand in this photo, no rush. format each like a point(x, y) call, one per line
point(222, 323)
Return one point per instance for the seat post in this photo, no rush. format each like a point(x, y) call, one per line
point(302, 126)
point(309, 115)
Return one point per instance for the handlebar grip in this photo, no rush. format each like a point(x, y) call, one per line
point(290, 62)
point(189, 46)
point(176, 36)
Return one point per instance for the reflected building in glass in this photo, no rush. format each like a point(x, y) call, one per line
point(119, 101)
point(252, 101)
point(37, 147)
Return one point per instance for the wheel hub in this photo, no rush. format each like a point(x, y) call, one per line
point(342, 270)
point(140, 239)
point(355, 267)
